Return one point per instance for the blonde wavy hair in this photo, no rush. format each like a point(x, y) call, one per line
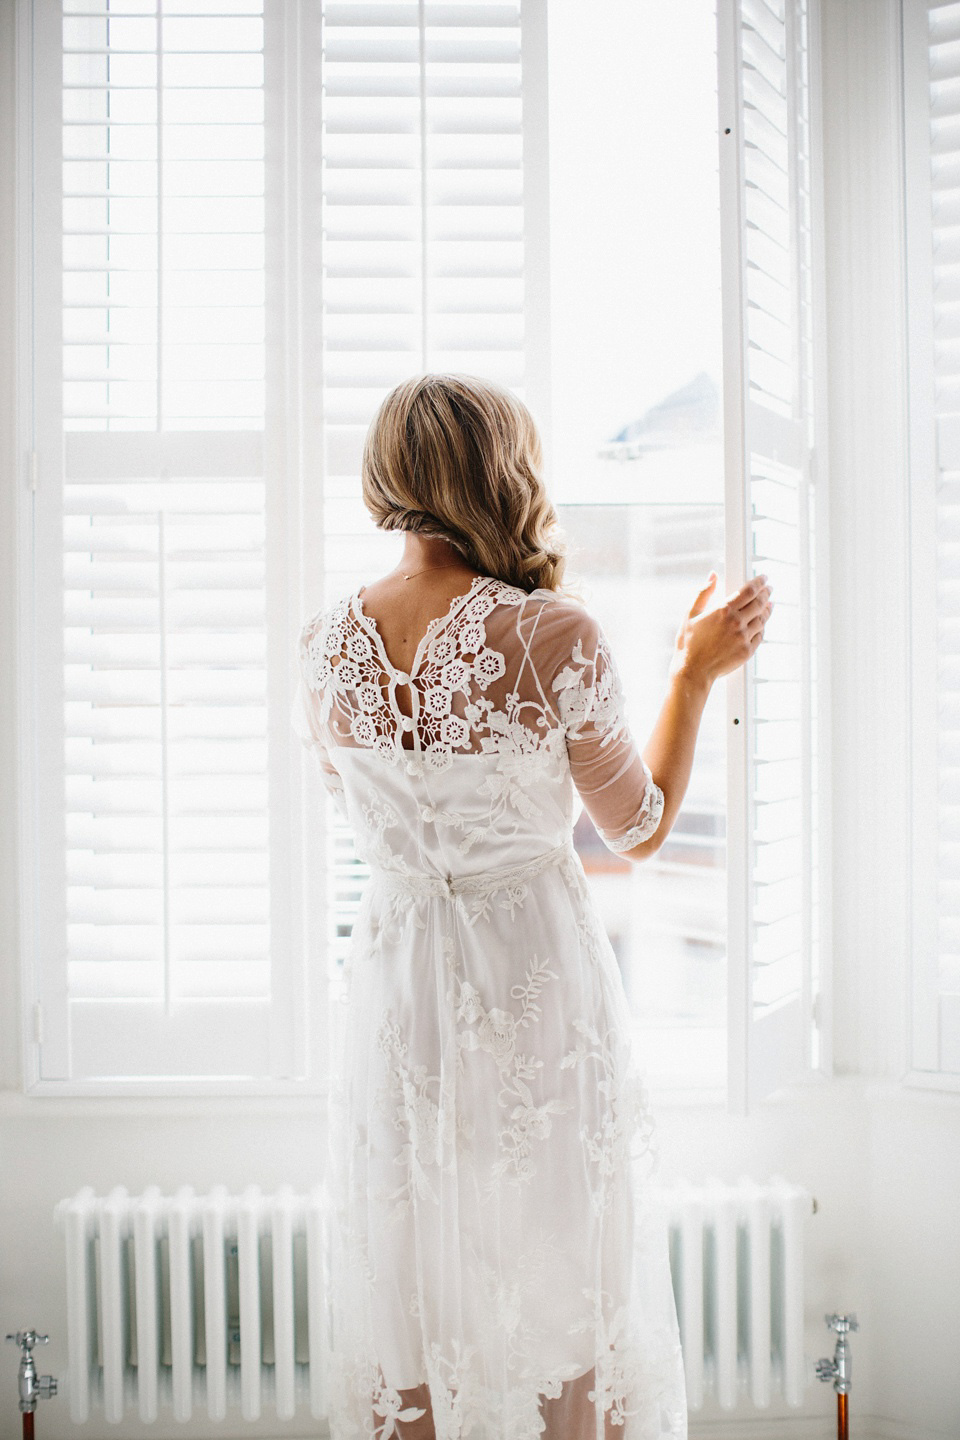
point(460, 457)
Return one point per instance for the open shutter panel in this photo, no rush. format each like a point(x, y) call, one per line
point(170, 963)
point(932, 144)
point(766, 243)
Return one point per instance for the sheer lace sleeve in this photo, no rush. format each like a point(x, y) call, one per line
point(614, 781)
point(306, 718)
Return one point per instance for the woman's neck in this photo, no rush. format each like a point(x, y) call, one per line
point(429, 552)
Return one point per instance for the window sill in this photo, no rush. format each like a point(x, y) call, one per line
point(64, 1104)
point(59, 1104)
point(920, 1088)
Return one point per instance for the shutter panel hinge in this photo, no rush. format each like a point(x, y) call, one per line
point(37, 1023)
point(33, 470)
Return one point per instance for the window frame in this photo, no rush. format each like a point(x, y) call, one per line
point(301, 435)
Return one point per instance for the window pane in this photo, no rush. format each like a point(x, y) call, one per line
point(638, 466)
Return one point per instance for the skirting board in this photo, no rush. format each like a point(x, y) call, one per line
point(811, 1427)
point(754, 1427)
point(792, 1427)
point(878, 1429)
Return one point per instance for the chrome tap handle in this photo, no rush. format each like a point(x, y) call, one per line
point(31, 1386)
point(26, 1339)
point(840, 1368)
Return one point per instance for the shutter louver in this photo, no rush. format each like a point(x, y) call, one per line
point(932, 143)
point(765, 138)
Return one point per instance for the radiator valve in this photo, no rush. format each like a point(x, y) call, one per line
point(33, 1387)
point(840, 1368)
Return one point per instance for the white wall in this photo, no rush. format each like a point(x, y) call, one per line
point(909, 1238)
point(883, 1162)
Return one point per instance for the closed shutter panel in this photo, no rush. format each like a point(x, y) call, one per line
point(768, 218)
point(423, 219)
point(428, 191)
point(931, 71)
point(172, 960)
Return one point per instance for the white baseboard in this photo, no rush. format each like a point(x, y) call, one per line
point(758, 1427)
point(782, 1427)
point(753, 1427)
point(879, 1429)
point(810, 1427)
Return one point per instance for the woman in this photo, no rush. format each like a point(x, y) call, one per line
point(496, 1269)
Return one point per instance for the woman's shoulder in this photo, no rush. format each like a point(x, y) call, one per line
point(552, 628)
point(322, 633)
point(320, 620)
point(557, 612)
point(559, 604)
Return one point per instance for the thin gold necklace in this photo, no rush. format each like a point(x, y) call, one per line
point(411, 576)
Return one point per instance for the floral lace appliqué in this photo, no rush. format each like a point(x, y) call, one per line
point(496, 1032)
point(627, 1131)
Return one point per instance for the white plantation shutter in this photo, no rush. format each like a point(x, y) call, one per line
point(432, 151)
point(424, 209)
point(164, 946)
point(931, 35)
point(250, 221)
point(767, 151)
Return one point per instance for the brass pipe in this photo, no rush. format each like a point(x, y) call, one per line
point(840, 1368)
point(842, 1432)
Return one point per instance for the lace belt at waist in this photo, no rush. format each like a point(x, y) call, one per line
point(417, 883)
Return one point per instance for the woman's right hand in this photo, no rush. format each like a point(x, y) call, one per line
point(712, 644)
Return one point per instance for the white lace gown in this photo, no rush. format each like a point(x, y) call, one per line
point(496, 1267)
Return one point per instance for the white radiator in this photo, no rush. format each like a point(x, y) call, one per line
point(213, 1302)
point(200, 1301)
point(736, 1257)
